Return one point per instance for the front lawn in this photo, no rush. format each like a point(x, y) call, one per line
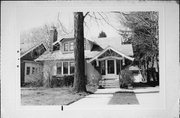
point(51, 96)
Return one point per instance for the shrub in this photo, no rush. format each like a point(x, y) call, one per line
point(66, 80)
point(125, 78)
point(37, 83)
point(56, 82)
point(69, 80)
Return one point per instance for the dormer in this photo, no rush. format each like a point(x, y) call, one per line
point(67, 45)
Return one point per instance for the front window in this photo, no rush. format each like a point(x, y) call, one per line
point(33, 70)
point(71, 67)
point(103, 67)
point(66, 47)
point(27, 70)
point(65, 67)
point(36, 70)
point(71, 47)
point(59, 68)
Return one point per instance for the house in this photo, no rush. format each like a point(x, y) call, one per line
point(104, 57)
point(30, 70)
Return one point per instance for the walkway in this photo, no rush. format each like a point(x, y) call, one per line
point(149, 97)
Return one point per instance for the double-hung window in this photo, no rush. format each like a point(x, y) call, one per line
point(66, 46)
point(59, 68)
point(65, 67)
point(71, 67)
point(71, 46)
point(27, 70)
point(33, 70)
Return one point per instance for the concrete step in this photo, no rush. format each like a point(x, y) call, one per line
point(110, 83)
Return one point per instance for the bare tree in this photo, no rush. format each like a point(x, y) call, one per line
point(144, 37)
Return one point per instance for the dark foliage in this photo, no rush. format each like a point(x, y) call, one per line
point(125, 78)
point(38, 83)
point(62, 81)
point(144, 37)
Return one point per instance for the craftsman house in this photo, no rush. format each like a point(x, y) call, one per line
point(104, 57)
point(31, 71)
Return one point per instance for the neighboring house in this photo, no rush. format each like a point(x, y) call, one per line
point(30, 70)
point(104, 57)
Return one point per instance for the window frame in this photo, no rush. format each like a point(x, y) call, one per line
point(28, 71)
point(71, 66)
point(33, 70)
point(70, 45)
point(66, 47)
point(64, 68)
point(58, 67)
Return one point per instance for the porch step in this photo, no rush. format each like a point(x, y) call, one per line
point(110, 83)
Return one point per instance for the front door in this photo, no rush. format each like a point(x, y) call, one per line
point(110, 67)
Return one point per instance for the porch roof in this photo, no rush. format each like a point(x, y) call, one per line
point(115, 50)
point(114, 42)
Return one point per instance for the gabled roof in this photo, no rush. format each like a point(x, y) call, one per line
point(114, 42)
point(61, 37)
point(26, 48)
point(115, 50)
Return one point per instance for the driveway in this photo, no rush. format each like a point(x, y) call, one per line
point(148, 97)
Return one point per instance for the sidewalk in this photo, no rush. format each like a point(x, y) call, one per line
point(148, 97)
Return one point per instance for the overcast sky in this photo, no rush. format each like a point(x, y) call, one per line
point(31, 17)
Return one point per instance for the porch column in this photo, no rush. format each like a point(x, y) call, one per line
point(97, 63)
point(115, 66)
point(62, 68)
point(106, 67)
point(68, 67)
point(123, 61)
point(120, 65)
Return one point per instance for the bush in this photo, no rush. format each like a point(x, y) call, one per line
point(69, 80)
point(66, 80)
point(37, 83)
point(125, 78)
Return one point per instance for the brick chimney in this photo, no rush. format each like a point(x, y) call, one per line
point(53, 37)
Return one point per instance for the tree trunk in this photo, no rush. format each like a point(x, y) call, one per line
point(157, 62)
point(79, 77)
point(152, 66)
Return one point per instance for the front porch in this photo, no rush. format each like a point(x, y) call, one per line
point(109, 64)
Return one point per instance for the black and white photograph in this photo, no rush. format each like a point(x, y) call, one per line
point(85, 58)
point(71, 57)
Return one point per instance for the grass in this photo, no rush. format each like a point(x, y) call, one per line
point(124, 98)
point(52, 96)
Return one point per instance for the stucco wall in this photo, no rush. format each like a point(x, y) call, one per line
point(37, 75)
point(48, 71)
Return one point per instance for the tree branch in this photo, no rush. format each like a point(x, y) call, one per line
point(85, 15)
point(61, 25)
